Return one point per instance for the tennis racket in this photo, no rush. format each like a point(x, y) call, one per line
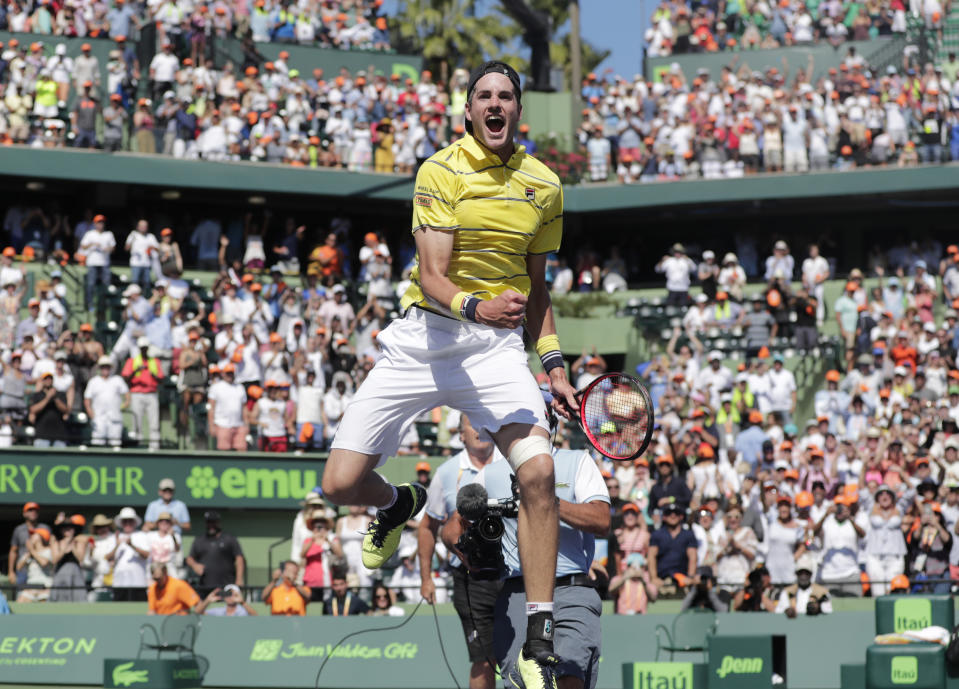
point(616, 414)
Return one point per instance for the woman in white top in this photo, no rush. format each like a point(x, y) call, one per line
point(164, 544)
point(885, 543)
point(104, 542)
point(784, 543)
point(735, 559)
point(350, 529)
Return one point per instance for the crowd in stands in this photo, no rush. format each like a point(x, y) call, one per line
point(680, 27)
point(734, 485)
point(261, 111)
point(684, 126)
point(743, 121)
point(129, 558)
point(192, 26)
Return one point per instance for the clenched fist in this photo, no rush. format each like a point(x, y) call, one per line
point(506, 310)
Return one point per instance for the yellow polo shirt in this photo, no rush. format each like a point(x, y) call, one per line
point(499, 213)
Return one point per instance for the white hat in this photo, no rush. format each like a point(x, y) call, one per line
point(701, 298)
point(781, 245)
point(781, 464)
point(806, 562)
point(338, 288)
point(707, 254)
point(900, 371)
point(232, 588)
point(953, 442)
point(131, 290)
point(730, 257)
point(742, 377)
point(226, 320)
point(61, 49)
point(929, 327)
point(104, 361)
point(714, 356)
point(143, 341)
point(128, 513)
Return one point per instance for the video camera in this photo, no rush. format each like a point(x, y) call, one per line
point(481, 542)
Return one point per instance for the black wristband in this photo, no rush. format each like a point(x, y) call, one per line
point(539, 627)
point(468, 308)
point(552, 360)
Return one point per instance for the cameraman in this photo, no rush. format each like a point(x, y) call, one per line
point(758, 594)
point(702, 595)
point(476, 609)
point(804, 597)
point(584, 515)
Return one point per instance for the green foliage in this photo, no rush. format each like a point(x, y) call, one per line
point(554, 151)
point(451, 32)
point(583, 305)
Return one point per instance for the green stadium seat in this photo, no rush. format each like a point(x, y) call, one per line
point(904, 613)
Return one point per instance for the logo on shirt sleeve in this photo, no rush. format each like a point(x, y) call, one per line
point(422, 200)
point(530, 193)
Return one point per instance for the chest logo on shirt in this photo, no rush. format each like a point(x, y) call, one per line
point(530, 193)
point(421, 200)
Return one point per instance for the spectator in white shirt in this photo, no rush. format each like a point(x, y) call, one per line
point(9, 275)
point(678, 269)
point(780, 262)
point(163, 69)
point(840, 545)
point(129, 558)
point(782, 389)
point(96, 246)
point(142, 245)
point(815, 272)
point(714, 378)
point(105, 398)
point(309, 413)
point(227, 399)
point(804, 597)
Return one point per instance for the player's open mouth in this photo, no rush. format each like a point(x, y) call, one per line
point(495, 123)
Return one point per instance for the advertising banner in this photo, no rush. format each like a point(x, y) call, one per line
point(142, 673)
point(118, 478)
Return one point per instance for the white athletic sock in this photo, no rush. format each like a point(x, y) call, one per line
point(533, 608)
point(392, 499)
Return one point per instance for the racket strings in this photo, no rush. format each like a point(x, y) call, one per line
point(616, 414)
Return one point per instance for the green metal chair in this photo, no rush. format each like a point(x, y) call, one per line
point(690, 633)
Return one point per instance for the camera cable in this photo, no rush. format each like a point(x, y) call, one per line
point(409, 617)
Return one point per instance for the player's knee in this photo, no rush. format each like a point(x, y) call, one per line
point(536, 480)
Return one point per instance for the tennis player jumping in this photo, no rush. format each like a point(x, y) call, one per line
point(485, 215)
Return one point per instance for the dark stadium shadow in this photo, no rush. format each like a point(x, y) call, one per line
point(391, 183)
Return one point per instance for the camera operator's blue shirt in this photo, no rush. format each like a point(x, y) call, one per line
point(578, 480)
point(453, 474)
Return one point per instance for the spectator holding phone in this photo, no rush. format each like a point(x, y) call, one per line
point(283, 594)
point(232, 596)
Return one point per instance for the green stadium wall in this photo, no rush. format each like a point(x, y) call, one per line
point(877, 52)
point(256, 652)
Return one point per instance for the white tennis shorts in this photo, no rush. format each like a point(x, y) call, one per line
point(429, 361)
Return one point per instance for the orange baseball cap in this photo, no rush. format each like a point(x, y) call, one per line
point(165, 231)
point(99, 218)
point(423, 466)
point(276, 337)
point(706, 451)
point(665, 459)
point(832, 376)
point(86, 328)
point(900, 582)
point(9, 251)
point(755, 417)
point(255, 391)
point(630, 507)
point(31, 506)
point(804, 499)
point(78, 520)
point(228, 368)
